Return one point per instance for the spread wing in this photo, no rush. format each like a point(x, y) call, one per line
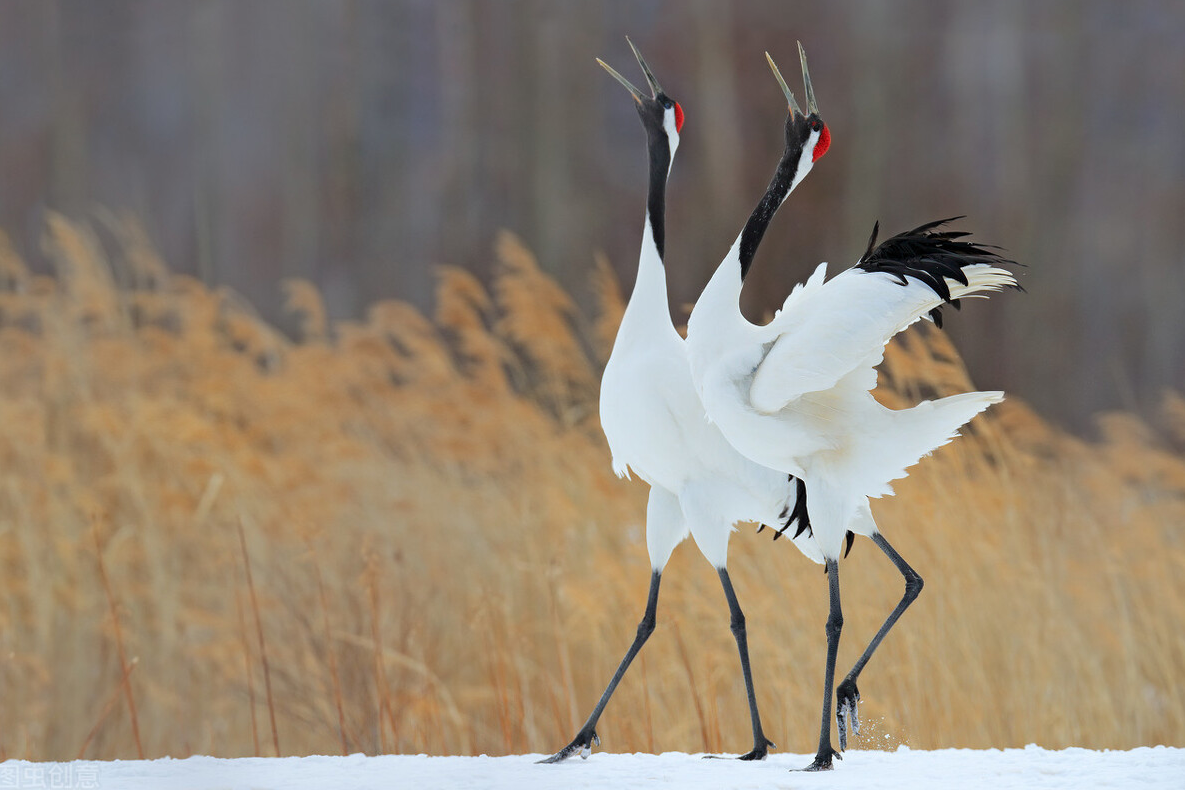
point(827, 331)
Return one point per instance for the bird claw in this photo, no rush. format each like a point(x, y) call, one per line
point(582, 744)
point(758, 753)
point(823, 761)
point(847, 711)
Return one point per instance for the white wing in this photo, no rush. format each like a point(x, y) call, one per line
point(829, 331)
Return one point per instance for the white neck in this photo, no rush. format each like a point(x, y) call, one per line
point(668, 124)
point(716, 319)
point(806, 161)
point(648, 309)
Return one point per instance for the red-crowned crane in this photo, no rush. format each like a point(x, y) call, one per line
point(794, 395)
point(656, 427)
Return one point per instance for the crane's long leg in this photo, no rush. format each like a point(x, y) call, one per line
point(583, 742)
point(834, 627)
point(761, 744)
point(847, 695)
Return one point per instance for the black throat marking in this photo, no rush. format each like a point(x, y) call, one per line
point(656, 193)
point(771, 201)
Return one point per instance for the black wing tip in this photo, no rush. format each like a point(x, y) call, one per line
point(930, 255)
point(876, 226)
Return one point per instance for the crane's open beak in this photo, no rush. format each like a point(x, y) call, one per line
point(811, 107)
point(792, 103)
point(655, 88)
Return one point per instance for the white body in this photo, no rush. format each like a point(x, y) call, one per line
point(656, 426)
point(794, 395)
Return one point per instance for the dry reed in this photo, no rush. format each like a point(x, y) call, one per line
point(443, 562)
point(125, 667)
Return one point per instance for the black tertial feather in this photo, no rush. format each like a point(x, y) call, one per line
point(930, 256)
point(798, 514)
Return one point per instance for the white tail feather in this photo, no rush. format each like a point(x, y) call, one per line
point(919, 431)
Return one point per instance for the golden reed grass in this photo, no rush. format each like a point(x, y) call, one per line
point(414, 517)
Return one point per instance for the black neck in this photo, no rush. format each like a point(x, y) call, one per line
point(771, 201)
point(656, 195)
point(758, 221)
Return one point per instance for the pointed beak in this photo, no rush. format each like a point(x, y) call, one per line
point(637, 94)
point(655, 88)
point(811, 107)
point(791, 103)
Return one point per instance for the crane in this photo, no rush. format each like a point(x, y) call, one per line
point(656, 426)
point(795, 395)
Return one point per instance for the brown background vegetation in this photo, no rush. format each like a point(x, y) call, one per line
point(440, 559)
point(401, 534)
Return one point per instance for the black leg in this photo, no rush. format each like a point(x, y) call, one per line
point(834, 627)
point(847, 695)
point(583, 742)
point(761, 744)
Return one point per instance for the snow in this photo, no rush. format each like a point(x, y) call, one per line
point(1029, 768)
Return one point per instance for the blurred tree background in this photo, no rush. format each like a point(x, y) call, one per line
point(357, 144)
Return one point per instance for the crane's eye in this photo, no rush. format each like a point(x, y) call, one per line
point(666, 104)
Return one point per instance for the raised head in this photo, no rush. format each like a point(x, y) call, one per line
point(807, 137)
point(661, 116)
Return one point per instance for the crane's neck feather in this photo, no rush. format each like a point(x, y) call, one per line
point(648, 302)
point(796, 162)
point(717, 313)
point(662, 155)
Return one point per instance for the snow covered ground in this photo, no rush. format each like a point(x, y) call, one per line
point(1029, 768)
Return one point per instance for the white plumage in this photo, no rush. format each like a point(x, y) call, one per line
point(795, 395)
point(657, 429)
point(656, 426)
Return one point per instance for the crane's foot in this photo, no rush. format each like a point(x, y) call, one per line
point(582, 744)
point(847, 711)
point(760, 752)
point(823, 760)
